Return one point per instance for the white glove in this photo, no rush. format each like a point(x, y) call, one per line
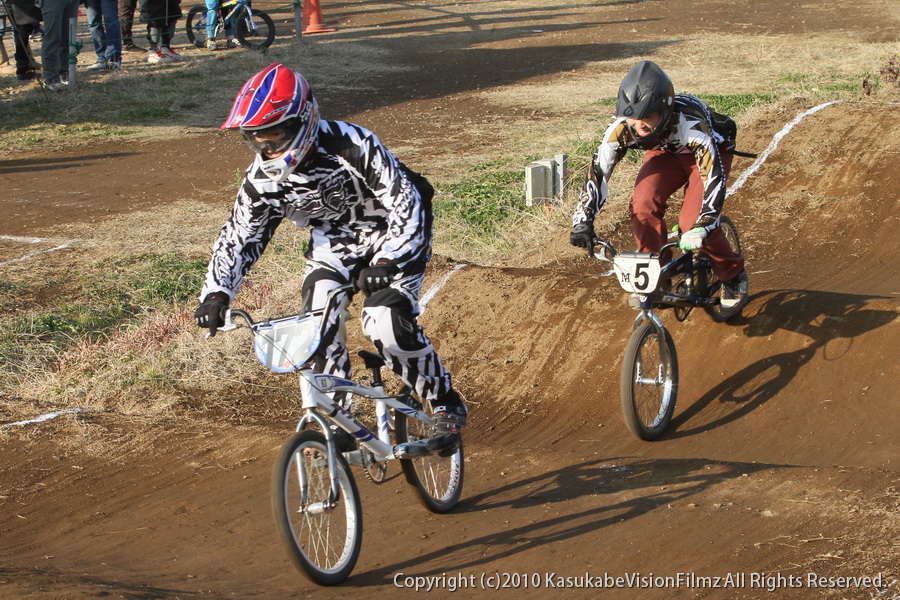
point(693, 239)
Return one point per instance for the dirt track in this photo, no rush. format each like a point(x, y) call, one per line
point(783, 458)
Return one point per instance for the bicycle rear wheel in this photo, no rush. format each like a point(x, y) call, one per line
point(323, 536)
point(709, 281)
point(195, 25)
point(648, 384)
point(438, 479)
point(256, 30)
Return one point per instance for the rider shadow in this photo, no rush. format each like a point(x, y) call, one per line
point(830, 320)
point(572, 497)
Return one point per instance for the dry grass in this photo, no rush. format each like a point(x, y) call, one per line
point(150, 365)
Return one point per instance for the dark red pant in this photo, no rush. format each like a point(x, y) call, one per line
point(660, 176)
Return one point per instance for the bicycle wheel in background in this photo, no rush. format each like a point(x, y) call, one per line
point(438, 479)
point(323, 538)
point(648, 385)
point(256, 31)
point(709, 279)
point(195, 25)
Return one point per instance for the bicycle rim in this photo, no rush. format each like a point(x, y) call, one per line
point(195, 26)
point(256, 30)
point(323, 538)
point(437, 479)
point(709, 279)
point(648, 385)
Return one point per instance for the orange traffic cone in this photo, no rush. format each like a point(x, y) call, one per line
point(312, 18)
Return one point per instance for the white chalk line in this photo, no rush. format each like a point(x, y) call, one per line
point(33, 240)
point(45, 417)
point(774, 144)
point(434, 289)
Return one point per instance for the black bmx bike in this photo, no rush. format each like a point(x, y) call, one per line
point(648, 382)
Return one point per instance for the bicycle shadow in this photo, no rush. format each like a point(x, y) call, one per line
point(830, 320)
point(646, 484)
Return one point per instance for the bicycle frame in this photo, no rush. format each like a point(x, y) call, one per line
point(317, 389)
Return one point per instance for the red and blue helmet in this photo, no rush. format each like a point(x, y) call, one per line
point(278, 117)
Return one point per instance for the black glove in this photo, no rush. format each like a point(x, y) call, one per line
point(211, 312)
point(582, 235)
point(377, 277)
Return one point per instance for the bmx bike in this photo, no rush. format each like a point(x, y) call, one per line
point(253, 28)
point(648, 382)
point(315, 498)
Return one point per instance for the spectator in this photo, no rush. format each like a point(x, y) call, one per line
point(126, 20)
point(161, 17)
point(212, 12)
point(55, 45)
point(26, 17)
point(103, 23)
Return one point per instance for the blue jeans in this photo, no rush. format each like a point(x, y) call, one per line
point(212, 10)
point(103, 23)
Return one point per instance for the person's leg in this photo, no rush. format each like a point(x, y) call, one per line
point(110, 9)
point(94, 11)
point(22, 54)
point(332, 356)
point(212, 10)
point(55, 36)
point(389, 322)
point(660, 176)
point(726, 264)
point(126, 21)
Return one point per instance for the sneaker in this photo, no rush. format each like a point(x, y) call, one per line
point(734, 295)
point(132, 47)
point(212, 45)
point(100, 65)
point(56, 86)
point(113, 66)
point(233, 43)
point(26, 76)
point(449, 419)
point(171, 54)
point(155, 57)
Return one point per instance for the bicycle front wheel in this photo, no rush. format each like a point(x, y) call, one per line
point(648, 385)
point(437, 479)
point(256, 30)
point(195, 25)
point(323, 534)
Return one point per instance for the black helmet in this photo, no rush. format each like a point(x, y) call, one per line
point(645, 90)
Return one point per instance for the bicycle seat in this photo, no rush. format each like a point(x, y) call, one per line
point(372, 360)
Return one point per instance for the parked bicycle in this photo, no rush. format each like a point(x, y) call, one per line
point(648, 383)
point(315, 498)
point(253, 28)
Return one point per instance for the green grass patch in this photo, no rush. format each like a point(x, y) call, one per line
point(486, 200)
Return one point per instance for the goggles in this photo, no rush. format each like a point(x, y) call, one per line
point(272, 141)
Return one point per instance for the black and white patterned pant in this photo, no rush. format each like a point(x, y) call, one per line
point(388, 321)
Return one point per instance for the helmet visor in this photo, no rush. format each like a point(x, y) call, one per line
point(272, 141)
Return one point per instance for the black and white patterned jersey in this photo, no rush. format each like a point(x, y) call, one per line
point(691, 132)
point(355, 195)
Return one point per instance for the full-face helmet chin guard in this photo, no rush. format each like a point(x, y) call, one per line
point(646, 89)
point(278, 117)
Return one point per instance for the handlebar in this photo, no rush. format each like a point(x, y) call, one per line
point(609, 251)
point(329, 306)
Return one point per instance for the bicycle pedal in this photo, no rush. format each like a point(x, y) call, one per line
point(415, 449)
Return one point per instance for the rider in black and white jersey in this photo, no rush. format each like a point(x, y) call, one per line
point(370, 221)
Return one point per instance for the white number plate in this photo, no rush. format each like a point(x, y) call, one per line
point(284, 346)
point(637, 272)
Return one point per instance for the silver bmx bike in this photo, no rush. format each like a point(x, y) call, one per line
point(315, 497)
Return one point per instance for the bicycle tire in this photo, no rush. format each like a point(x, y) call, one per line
point(648, 404)
point(195, 25)
point(709, 280)
point(258, 37)
point(437, 479)
point(323, 543)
